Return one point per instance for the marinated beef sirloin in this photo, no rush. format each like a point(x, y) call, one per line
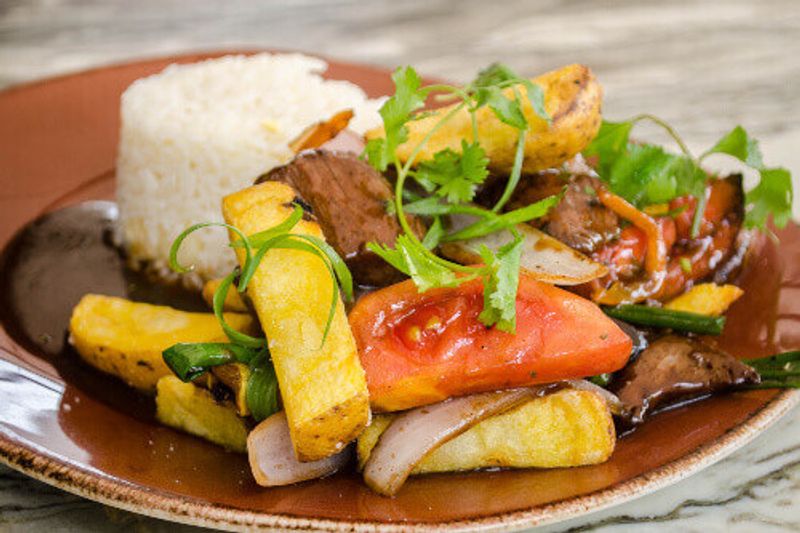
point(672, 370)
point(348, 198)
point(579, 220)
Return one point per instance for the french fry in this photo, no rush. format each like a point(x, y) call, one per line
point(566, 428)
point(194, 410)
point(126, 338)
point(323, 386)
point(572, 99)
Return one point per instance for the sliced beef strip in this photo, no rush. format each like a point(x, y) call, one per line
point(672, 370)
point(348, 198)
point(579, 220)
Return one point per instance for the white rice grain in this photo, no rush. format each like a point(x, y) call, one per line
point(195, 133)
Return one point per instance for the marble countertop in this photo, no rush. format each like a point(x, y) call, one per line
point(701, 65)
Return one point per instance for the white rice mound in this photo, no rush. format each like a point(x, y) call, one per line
point(194, 133)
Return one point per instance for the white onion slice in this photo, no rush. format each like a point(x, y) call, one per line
point(345, 141)
point(272, 458)
point(415, 433)
point(543, 257)
point(613, 402)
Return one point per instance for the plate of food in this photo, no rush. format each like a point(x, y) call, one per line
point(266, 290)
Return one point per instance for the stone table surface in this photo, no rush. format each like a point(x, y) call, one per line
point(701, 65)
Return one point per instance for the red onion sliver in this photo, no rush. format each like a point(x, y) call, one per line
point(416, 433)
point(272, 458)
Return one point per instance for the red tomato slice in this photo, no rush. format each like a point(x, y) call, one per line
point(423, 348)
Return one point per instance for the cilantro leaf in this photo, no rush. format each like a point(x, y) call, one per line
point(498, 74)
point(505, 109)
point(396, 112)
point(434, 234)
point(772, 196)
point(456, 175)
point(410, 260)
point(376, 154)
point(493, 75)
point(500, 286)
point(740, 145)
point(643, 174)
point(609, 145)
point(536, 98)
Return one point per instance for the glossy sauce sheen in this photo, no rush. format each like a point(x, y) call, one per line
point(64, 133)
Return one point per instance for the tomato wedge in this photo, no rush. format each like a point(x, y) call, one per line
point(419, 349)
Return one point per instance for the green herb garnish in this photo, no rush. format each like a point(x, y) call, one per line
point(190, 360)
point(262, 393)
point(451, 179)
point(218, 302)
point(645, 174)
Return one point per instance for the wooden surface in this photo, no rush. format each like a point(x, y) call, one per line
point(703, 66)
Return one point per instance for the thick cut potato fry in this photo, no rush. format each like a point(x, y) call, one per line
point(126, 338)
point(572, 98)
point(323, 387)
point(233, 300)
point(706, 299)
point(194, 410)
point(567, 428)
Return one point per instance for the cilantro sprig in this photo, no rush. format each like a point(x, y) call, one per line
point(451, 179)
point(645, 174)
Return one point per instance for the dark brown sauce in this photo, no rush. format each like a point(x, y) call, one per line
point(46, 269)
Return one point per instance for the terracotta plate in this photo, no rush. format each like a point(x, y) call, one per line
point(74, 428)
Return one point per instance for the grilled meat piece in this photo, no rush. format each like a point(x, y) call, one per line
point(672, 370)
point(348, 198)
point(579, 220)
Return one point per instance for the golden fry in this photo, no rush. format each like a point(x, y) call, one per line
point(126, 338)
point(323, 387)
point(572, 98)
point(567, 428)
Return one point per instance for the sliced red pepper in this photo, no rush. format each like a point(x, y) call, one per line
point(718, 231)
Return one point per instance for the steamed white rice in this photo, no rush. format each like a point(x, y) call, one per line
point(195, 133)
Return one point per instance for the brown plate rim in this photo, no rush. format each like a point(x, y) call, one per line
point(139, 499)
point(37, 464)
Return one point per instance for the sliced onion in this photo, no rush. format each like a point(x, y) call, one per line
point(543, 257)
point(415, 433)
point(614, 403)
point(346, 141)
point(272, 458)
